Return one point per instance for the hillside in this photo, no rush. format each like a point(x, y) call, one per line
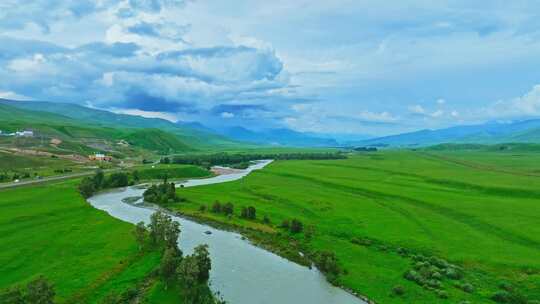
point(191, 136)
point(80, 137)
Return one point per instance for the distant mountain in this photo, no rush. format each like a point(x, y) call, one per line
point(190, 133)
point(277, 137)
point(527, 131)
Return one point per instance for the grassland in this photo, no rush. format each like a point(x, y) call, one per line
point(51, 230)
point(171, 171)
point(479, 210)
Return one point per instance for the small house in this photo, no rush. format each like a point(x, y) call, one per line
point(100, 157)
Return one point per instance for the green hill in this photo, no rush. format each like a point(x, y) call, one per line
point(156, 140)
point(82, 137)
point(194, 137)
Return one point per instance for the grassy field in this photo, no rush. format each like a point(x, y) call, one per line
point(51, 230)
point(172, 171)
point(479, 211)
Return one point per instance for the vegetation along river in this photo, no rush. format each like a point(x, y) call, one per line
point(241, 272)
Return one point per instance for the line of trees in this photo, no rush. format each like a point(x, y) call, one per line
point(90, 185)
point(191, 272)
point(208, 160)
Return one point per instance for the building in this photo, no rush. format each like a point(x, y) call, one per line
point(24, 133)
point(100, 157)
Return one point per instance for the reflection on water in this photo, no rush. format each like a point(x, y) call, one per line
point(241, 272)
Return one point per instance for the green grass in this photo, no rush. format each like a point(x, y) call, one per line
point(172, 171)
point(51, 230)
point(475, 210)
point(43, 166)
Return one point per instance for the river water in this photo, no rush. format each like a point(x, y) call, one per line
point(241, 272)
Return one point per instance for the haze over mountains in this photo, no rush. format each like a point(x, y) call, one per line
point(197, 135)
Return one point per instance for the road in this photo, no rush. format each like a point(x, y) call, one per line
point(50, 179)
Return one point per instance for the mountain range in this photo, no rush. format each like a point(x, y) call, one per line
point(527, 131)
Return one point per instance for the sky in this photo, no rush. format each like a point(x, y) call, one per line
point(335, 67)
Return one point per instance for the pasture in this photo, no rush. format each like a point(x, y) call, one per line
point(480, 213)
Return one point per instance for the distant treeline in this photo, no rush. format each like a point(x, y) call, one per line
point(208, 160)
point(365, 149)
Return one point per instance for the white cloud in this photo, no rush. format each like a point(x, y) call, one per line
point(148, 114)
point(441, 101)
point(227, 114)
point(377, 117)
point(13, 96)
point(437, 114)
point(417, 109)
point(524, 106)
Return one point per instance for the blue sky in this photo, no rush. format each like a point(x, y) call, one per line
point(364, 67)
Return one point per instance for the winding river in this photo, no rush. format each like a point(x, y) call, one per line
point(241, 272)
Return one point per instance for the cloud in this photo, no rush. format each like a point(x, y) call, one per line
point(417, 109)
point(227, 115)
point(441, 101)
point(149, 114)
point(527, 105)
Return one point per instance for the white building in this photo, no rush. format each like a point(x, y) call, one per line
point(24, 133)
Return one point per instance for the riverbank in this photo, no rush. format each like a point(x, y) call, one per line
point(231, 251)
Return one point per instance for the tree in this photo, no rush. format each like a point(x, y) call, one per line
point(165, 160)
point(99, 179)
point(188, 272)
point(140, 234)
point(216, 207)
point(251, 213)
point(228, 209)
point(87, 187)
point(156, 226)
point(40, 291)
point(326, 261)
point(204, 262)
point(168, 265)
point(12, 296)
point(171, 234)
point(136, 177)
point(118, 179)
point(296, 226)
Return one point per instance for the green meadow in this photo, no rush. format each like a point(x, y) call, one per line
point(50, 230)
point(475, 210)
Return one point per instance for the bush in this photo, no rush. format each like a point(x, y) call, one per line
point(398, 290)
point(266, 219)
point(501, 296)
point(442, 294)
point(285, 224)
point(453, 273)
point(467, 287)
point(216, 207)
point(228, 209)
point(296, 226)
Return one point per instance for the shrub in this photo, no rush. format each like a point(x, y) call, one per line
point(216, 207)
point(442, 294)
point(228, 209)
point(285, 224)
point(266, 219)
point(467, 287)
point(436, 275)
point(296, 226)
point(398, 290)
point(453, 273)
point(501, 296)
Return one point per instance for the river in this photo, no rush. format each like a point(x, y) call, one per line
point(241, 272)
